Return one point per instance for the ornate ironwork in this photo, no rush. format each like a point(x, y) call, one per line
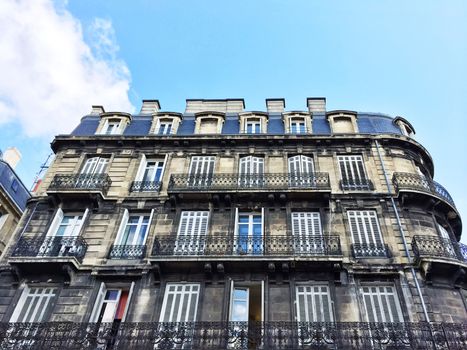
point(244, 182)
point(370, 250)
point(86, 182)
point(145, 186)
point(426, 246)
point(51, 247)
point(233, 335)
point(360, 185)
point(127, 251)
point(234, 245)
point(414, 182)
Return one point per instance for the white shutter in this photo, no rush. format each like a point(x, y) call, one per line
point(364, 226)
point(121, 229)
point(77, 231)
point(130, 294)
point(149, 227)
point(313, 303)
point(98, 303)
point(381, 304)
point(141, 168)
point(55, 222)
point(180, 303)
point(111, 309)
point(101, 166)
point(104, 127)
point(307, 164)
point(294, 166)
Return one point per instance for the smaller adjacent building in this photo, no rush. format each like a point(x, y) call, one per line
point(13, 195)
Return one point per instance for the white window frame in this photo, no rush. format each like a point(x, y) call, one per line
point(176, 312)
point(143, 167)
point(118, 130)
point(379, 296)
point(100, 300)
point(314, 294)
point(42, 298)
point(353, 172)
point(139, 227)
point(162, 126)
point(95, 165)
point(255, 123)
point(297, 120)
point(251, 171)
point(251, 247)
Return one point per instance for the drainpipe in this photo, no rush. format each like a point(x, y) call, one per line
point(401, 231)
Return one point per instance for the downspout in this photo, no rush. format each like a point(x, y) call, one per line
point(401, 231)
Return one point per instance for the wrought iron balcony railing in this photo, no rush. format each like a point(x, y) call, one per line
point(239, 182)
point(370, 250)
point(234, 245)
point(127, 251)
point(414, 182)
point(360, 185)
point(145, 186)
point(81, 182)
point(233, 335)
point(51, 247)
point(436, 247)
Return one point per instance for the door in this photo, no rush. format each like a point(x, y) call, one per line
point(301, 171)
point(251, 172)
point(191, 233)
point(201, 171)
point(249, 233)
point(307, 233)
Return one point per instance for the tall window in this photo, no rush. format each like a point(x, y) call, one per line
point(112, 127)
point(251, 171)
point(301, 171)
point(192, 232)
point(149, 175)
point(307, 233)
point(133, 229)
point(353, 173)
point(297, 126)
point(249, 232)
point(34, 305)
point(95, 165)
point(381, 304)
point(252, 126)
point(313, 303)
point(165, 127)
point(111, 304)
point(201, 170)
point(66, 224)
point(366, 233)
point(180, 302)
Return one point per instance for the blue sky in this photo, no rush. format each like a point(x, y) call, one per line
point(396, 57)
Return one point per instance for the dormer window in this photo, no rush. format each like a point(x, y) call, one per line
point(297, 122)
point(209, 122)
point(112, 127)
point(166, 123)
point(165, 127)
point(113, 123)
point(253, 122)
point(343, 122)
point(405, 127)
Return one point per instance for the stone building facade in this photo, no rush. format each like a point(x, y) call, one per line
point(225, 228)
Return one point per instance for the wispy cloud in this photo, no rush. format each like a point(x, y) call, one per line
point(49, 76)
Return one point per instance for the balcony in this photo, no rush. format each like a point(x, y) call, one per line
point(233, 335)
point(50, 247)
point(222, 245)
point(80, 183)
point(130, 252)
point(360, 185)
point(439, 248)
point(370, 250)
point(145, 186)
point(241, 182)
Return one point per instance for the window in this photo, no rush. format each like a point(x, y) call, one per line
point(446, 241)
point(131, 237)
point(366, 234)
point(111, 304)
point(353, 173)
point(192, 232)
point(201, 170)
point(297, 126)
point(301, 171)
point(95, 165)
point(251, 171)
point(149, 175)
point(34, 305)
point(252, 126)
point(65, 225)
point(307, 233)
point(249, 232)
point(165, 127)
point(112, 127)
point(180, 303)
point(313, 303)
point(381, 304)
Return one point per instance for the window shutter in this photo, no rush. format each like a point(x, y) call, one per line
point(243, 165)
point(78, 229)
point(130, 294)
point(149, 226)
point(121, 229)
point(98, 303)
point(183, 228)
point(89, 166)
point(141, 168)
point(101, 166)
point(104, 127)
point(293, 165)
point(316, 225)
point(55, 222)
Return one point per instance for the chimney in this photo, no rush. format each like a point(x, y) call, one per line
point(316, 104)
point(150, 107)
point(97, 110)
point(12, 156)
point(275, 105)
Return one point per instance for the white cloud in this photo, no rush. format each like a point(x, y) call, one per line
point(49, 76)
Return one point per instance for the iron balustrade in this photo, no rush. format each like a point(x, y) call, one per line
point(145, 186)
point(414, 182)
point(426, 246)
point(235, 245)
point(239, 182)
point(127, 251)
point(360, 185)
point(233, 335)
point(70, 246)
point(86, 182)
point(370, 250)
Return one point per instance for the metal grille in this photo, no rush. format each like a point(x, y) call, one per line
point(424, 246)
point(145, 186)
point(100, 182)
point(51, 247)
point(372, 250)
point(127, 251)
